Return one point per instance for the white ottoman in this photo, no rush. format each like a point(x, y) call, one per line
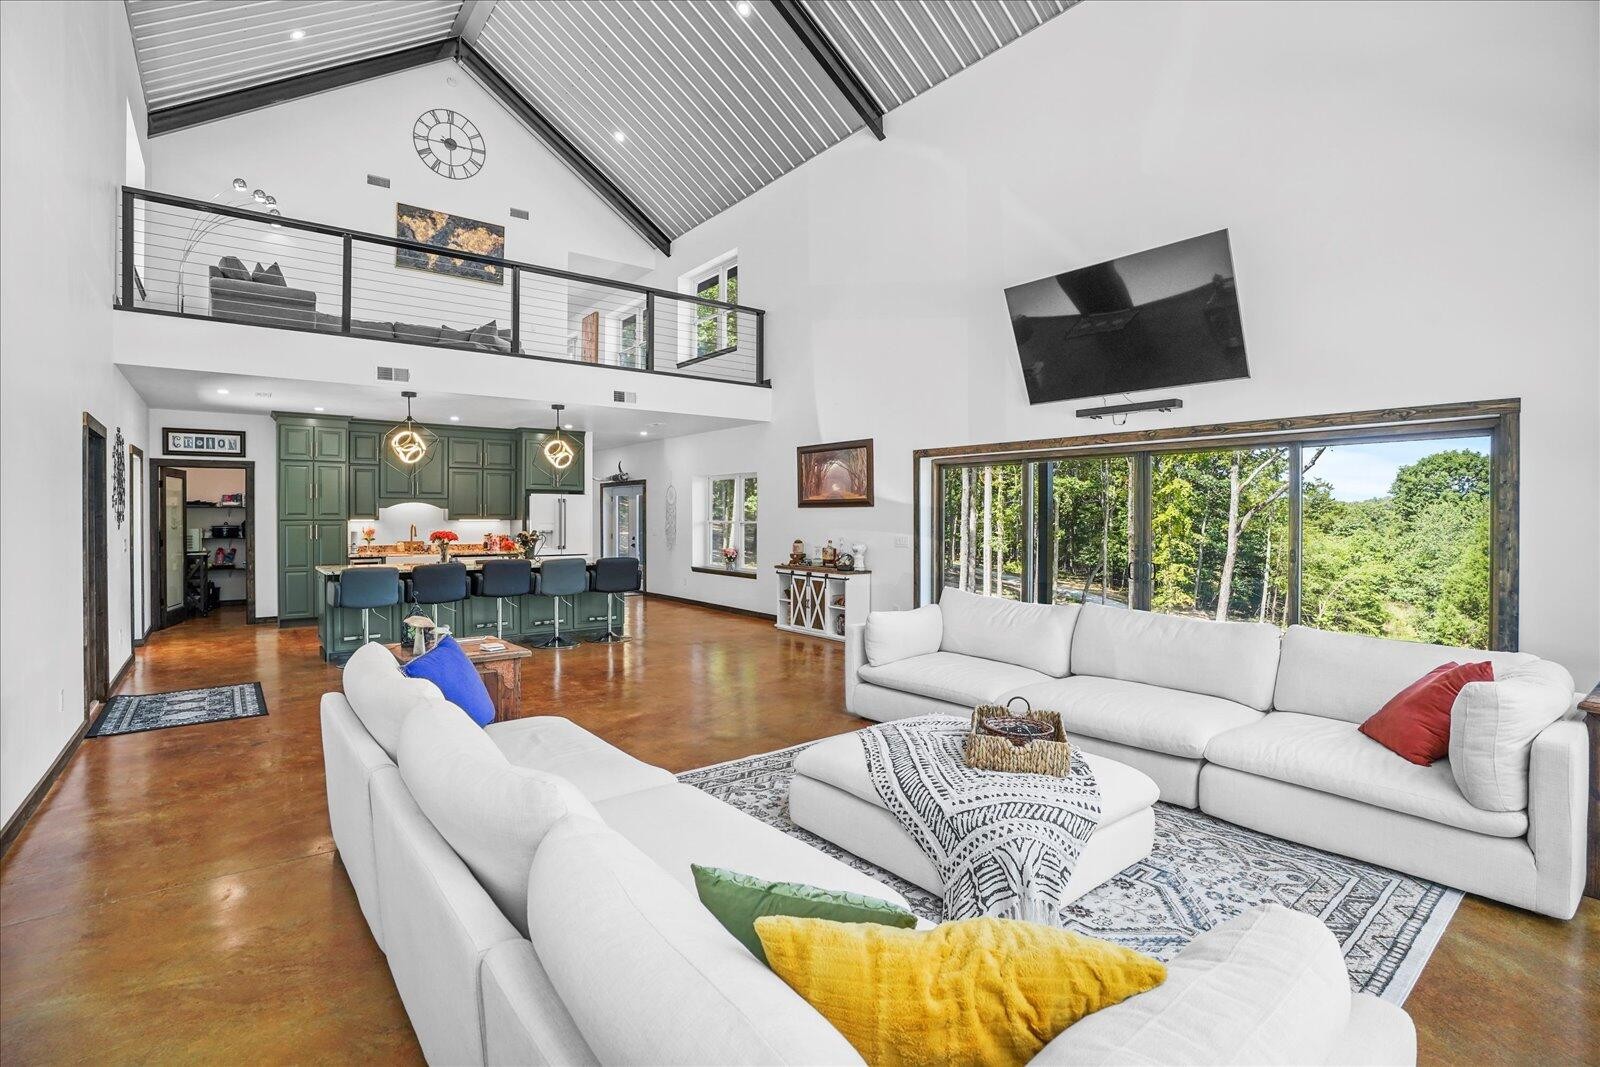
point(832, 796)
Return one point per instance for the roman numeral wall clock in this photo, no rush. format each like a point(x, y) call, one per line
point(448, 143)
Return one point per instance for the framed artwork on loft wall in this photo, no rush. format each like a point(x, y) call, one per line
point(449, 233)
point(835, 475)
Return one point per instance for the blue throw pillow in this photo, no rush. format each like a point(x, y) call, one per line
point(447, 667)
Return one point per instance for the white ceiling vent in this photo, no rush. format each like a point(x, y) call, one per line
point(620, 397)
point(394, 374)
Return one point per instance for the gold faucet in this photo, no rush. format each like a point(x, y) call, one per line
point(413, 531)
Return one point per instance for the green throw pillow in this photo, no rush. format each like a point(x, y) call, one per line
point(738, 900)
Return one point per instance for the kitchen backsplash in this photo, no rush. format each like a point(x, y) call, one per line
point(394, 524)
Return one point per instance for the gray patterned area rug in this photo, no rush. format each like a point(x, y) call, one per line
point(1202, 872)
point(187, 707)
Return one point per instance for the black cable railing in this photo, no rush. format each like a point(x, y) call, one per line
point(201, 259)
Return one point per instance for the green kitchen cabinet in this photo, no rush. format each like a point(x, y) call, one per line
point(342, 633)
point(328, 490)
point(295, 501)
point(302, 547)
point(540, 474)
point(302, 437)
point(536, 616)
point(499, 453)
point(499, 494)
point(466, 494)
point(480, 616)
point(364, 445)
point(466, 451)
point(425, 481)
point(363, 491)
point(452, 613)
point(329, 441)
point(296, 441)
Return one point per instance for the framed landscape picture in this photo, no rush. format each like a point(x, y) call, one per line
point(449, 232)
point(836, 475)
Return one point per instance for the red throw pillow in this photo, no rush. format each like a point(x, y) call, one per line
point(1415, 723)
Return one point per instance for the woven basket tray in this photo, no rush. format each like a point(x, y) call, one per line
point(987, 752)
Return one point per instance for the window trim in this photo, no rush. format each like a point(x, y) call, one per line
point(1499, 419)
point(736, 525)
point(692, 283)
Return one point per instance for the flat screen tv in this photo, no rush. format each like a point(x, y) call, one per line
point(1165, 317)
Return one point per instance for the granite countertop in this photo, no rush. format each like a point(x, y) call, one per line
point(333, 570)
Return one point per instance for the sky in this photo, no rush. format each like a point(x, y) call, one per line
point(1362, 472)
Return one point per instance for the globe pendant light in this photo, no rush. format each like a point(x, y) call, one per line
point(407, 445)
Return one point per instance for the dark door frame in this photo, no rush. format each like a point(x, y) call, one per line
point(96, 549)
point(643, 527)
point(136, 557)
point(160, 615)
point(250, 511)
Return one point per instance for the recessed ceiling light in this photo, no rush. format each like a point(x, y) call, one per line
point(319, 409)
point(618, 136)
point(567, 426)
point(224, 392)
point(295, 35)
point(644, 433)
point(743, 8)
point(455, 418)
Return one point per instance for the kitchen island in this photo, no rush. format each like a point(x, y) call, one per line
point(527, 618)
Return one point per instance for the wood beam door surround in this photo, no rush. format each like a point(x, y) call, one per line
point(521, 108)
point(1500, 420)
point(252, 98)
point(96, 548)
point(833, 63)
point(157, 572)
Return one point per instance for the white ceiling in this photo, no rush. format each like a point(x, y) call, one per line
point(608, 427)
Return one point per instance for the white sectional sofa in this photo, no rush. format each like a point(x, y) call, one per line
point(1260, 728)
point(612, 959)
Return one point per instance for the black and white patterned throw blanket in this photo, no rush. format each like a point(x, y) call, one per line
point(1003, 844)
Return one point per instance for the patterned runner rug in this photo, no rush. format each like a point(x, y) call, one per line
point(1202, 872)
point(186, 707)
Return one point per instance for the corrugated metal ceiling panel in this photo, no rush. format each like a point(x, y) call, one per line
point(711, 103)
point(192, 49)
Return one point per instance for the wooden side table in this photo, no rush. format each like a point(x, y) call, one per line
point(1591, 706)
point(500, 670)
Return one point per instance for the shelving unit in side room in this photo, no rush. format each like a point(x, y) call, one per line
point(822, 601)
point(207, 516)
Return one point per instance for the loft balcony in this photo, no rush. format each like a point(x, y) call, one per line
point(175, 259)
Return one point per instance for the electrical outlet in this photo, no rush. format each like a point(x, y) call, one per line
point(902, 540)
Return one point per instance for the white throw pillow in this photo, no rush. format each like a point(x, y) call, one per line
point(492, 813)
point(1492, 727)
point(382, 695)
point(1036, 636)
point(896, 635)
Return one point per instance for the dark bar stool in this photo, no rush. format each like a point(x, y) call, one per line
point(614, 575)
point(559, 579)
point(365, 588)
point(501, 578)
point(437, 583)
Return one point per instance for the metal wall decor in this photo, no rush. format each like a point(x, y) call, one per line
point(119, 478)
point(408, 444)
point(672, 517)
point(448, 143)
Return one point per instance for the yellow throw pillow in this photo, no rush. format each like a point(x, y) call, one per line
point(978, 991)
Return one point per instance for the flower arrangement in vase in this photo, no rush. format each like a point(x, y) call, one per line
point(528, 541)
point(443, 539)
point(368, 534)
point(730, 556)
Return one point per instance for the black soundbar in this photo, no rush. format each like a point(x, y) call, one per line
point(1127, 409)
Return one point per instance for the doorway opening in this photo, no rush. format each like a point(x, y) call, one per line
point(137, 627)
point(96, 636)
point(204, 546)
point(622, 525)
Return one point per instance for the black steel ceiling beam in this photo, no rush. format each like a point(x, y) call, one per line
point(833, 64)
point(226, 105)
point(558, 142)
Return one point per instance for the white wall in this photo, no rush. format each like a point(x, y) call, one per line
point(1411, 194)
point(314, 155)
point(67, 80)
point(260, 449)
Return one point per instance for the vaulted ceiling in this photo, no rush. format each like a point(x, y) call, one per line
point(674, 110)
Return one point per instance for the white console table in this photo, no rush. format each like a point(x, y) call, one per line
point(822, 601)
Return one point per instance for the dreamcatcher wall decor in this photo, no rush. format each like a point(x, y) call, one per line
point(119, 479)
point(672, 517)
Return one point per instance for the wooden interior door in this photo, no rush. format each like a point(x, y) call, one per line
point(96, 639)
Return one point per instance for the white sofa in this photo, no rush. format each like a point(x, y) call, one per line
point(613, 960)
point(1260, 728)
